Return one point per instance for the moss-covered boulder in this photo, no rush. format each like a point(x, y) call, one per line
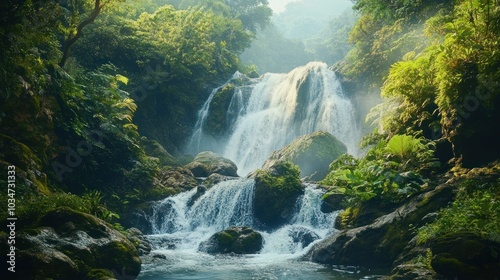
point(276, 192)
point(313, 154)
point(238, 240)
point(28, 166)
point(207, 163)
point(466, 256)
point(72, 245)
point(378, 244)
point(173, 180)
point(217, 122)
point(141, 243)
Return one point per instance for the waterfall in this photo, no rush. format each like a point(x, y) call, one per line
point(270, 112)
point(181, 223)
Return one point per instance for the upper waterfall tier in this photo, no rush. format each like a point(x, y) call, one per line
point(245, 120)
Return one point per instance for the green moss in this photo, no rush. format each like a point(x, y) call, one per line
point(100, 274)
point(477, 212)
point(313, 153)
point(276, 192)
point(347, 217)
point(28, 166)
point(217, 123)
point(225, 238)
point(155, 149)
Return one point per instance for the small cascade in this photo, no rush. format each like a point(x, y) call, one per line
point(225, 204)
point(272, 111)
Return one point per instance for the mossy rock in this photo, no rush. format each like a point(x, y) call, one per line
point(466, 256)
point(217, 122)
point(207, 163)
point(155, 149)
point(276, 192)
point(70, 244)
point(100, 274)
point(313, 154)
point(379, 243)
point(237, 240)
point(170, 181)
point(332, 202)
point(29, 177)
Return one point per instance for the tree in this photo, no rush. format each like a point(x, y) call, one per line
point(76, 26)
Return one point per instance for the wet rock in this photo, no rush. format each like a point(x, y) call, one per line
point(200, 190)
point(377, 245)
point(163, 242)
point(175, 180)
point(304, 236)
point(313, 154)
point(412, 272)
point(276, 192)
point(160, 256)
point(71, 245)
point(140, 242)
point(207, 163)
point(216, 178)
point(237, 240)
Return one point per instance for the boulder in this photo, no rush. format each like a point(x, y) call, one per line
point(140, 242)
point(176, 180)
point(313, 154)
point(237, 240)
point(72, 245)
point(207, 163)
point(216, 178)
point(332, 202)
point(378, 244)
point(303, 236)
point(276, 192)
point(466, 256)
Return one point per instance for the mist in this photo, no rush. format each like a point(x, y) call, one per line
point(299, 32)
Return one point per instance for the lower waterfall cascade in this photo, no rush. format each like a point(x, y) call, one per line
point(273, 110)
point(181, 222)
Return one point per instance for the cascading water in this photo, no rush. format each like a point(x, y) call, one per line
point(180, 223)
point(275, 109)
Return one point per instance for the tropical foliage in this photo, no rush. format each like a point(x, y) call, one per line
point(392, 171)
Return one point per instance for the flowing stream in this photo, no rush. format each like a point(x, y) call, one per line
point(269, 112)
point(181, 223)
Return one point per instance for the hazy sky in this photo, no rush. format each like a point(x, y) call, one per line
point(279, 5)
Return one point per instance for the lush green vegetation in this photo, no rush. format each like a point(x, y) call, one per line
point(436, 64)
point(94, 91)
point(392, 171)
